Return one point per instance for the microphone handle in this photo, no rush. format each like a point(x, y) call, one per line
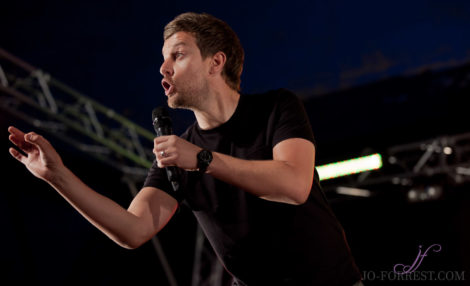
point(172, 174)
point(171, 171)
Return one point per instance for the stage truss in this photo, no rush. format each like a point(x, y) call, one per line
point(421, 170)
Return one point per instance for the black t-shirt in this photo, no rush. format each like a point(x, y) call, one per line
point(262, 242)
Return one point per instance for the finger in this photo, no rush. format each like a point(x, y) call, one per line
point(167, 161)
point(157, 154)
point(160, 154)
point(15, 134)
point(159, 161)
point(169, 152)
point(161, 139)
point(17, 155)
point(160, 147)
point(14, 139)
point(15, 131)
point(19, 141)
point(37, 140)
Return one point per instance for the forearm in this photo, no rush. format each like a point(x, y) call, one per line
point(128, 228)
point(287, 177)
point(105, 214)
point(273, 180)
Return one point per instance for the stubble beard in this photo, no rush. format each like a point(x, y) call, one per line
point(190, 97)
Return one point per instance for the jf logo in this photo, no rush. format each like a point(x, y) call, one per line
point(405, 269)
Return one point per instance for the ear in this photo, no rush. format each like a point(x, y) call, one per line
point(217, 62)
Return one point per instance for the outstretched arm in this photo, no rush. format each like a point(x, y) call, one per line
point(286, 178)
point(149, 211)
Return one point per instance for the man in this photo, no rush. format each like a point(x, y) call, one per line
point(248, 164)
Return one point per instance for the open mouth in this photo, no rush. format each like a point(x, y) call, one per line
point(168, 87)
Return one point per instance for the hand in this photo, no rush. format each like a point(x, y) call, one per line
point(177, 152)
point(41, 158)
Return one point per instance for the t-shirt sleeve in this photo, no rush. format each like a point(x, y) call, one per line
point(292, 120)
point(158, 178)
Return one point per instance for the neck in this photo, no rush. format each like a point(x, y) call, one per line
point(219, 107)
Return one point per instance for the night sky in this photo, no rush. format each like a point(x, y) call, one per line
point(111, 50)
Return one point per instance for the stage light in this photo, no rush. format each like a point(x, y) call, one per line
point(354, 192)
point(426, 193)
point(447, 150)
point(349, 167)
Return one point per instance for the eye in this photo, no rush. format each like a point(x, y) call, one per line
point(177, 55)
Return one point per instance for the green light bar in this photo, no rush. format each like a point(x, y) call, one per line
point(349, 167)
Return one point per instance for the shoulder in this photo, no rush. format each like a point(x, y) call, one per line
point(271, 99)
point(284, 100)
point(284, 96)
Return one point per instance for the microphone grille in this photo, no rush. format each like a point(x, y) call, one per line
point(160, 112)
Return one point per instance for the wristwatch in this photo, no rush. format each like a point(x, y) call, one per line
point(204, 158)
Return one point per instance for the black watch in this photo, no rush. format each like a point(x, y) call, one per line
point(204, 158)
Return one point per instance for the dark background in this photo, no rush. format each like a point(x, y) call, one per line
point(372, 74)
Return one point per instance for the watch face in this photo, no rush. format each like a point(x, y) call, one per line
point(205, 156)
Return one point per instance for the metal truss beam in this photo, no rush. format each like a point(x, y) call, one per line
point(37, 98)
point(50, 104)
point(441, 160)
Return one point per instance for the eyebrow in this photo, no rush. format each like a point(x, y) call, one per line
point(179, 44)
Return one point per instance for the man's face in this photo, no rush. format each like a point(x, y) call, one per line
point(184, 72)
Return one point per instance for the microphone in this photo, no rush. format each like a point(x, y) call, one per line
point(162, 125)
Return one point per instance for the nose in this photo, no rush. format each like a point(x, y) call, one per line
point(166, 68)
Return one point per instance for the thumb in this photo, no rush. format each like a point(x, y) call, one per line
point(36, 140)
